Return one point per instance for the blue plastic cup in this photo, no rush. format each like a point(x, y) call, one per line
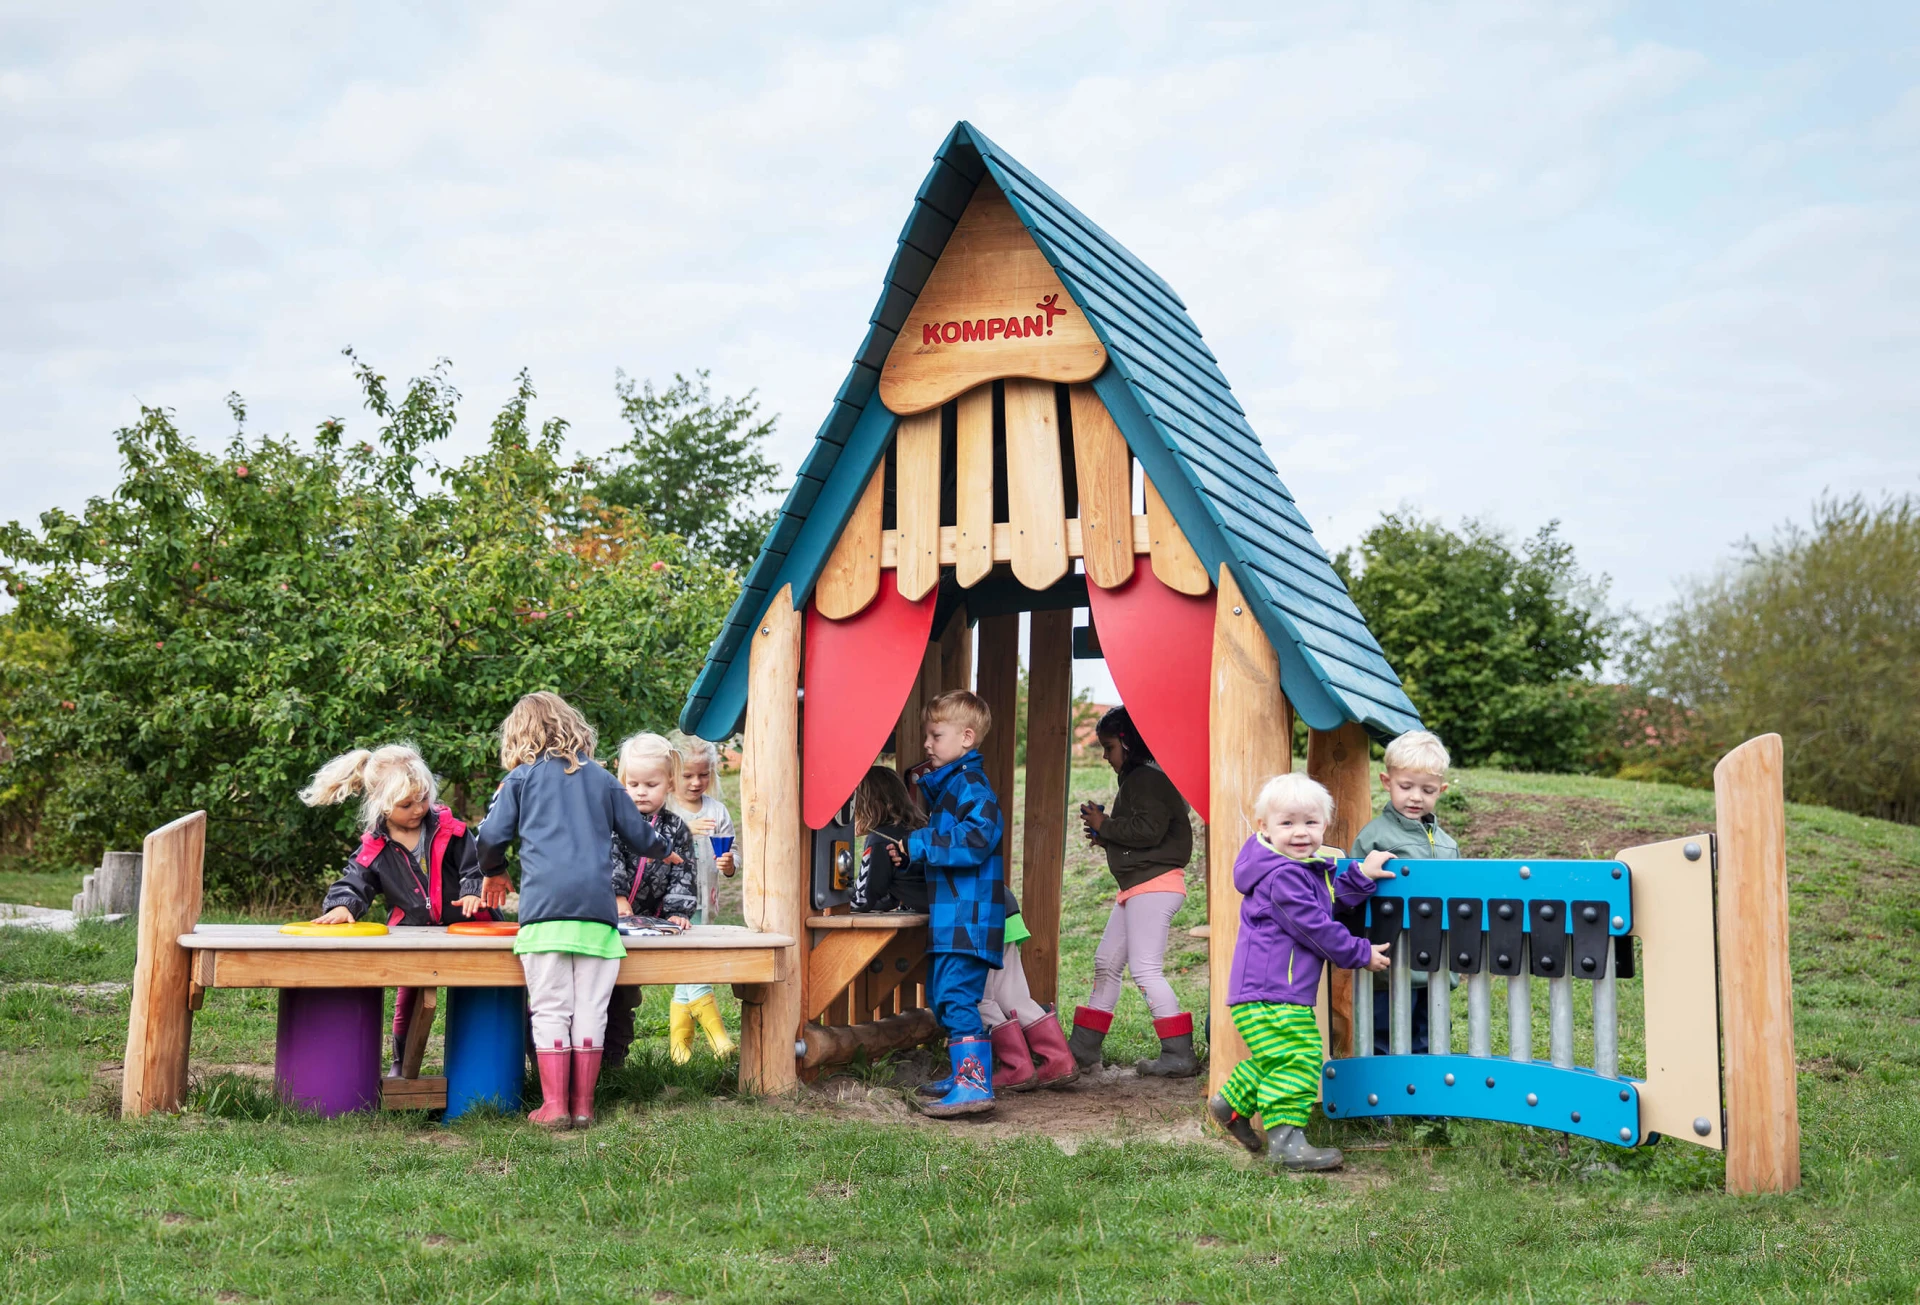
point(721, 846)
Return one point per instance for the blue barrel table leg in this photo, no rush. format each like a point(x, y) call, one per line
point(486, 1048)
point(327, 1049)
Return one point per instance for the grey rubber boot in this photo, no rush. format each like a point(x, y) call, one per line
point(1085, 1046)
point(1288, 1147)
point(1238, 1126)
point(1176, 1059)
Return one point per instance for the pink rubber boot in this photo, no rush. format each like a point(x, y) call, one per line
point(555, 1067)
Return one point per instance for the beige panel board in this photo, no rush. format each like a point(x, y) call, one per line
point(1036, 489)
point(1103, 466)
point(852, 576)
point(973, 489)
point(916, 499)
point(1673, 919)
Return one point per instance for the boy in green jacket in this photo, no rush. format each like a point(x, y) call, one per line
point(1415, 777)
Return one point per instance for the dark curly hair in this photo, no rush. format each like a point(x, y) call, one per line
point(1117, 724)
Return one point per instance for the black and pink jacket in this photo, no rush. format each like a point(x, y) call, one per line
point(382, 867)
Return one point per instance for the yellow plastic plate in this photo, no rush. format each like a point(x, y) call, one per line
point(360, 929)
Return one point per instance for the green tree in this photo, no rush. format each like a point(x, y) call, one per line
point(230, 619)
point(1496, 645)
point(1814, 635)
point(695, 467)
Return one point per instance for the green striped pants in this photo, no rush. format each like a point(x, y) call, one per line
point(1280, 1078)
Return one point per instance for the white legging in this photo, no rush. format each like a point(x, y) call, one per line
point(1136, 940)
point(1007, 996)
point(567, 999)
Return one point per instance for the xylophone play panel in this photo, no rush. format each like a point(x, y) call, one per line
point(1537, 1094)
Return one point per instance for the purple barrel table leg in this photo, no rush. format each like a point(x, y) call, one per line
point(327, 1051)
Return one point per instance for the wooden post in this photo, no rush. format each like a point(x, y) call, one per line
point(956, 652)
point(1251, 741)
point(1339, 759)
point(909, 735)
point(773, 896)
point(1044, 847)
point(1000, 686)
point(1756, 981)
point(160, 1025)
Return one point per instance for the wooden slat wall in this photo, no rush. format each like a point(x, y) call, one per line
point(1036, 496)
point(917, 504)
point(1044, 846)
point(973, 542)
point(1251, 739)
point(852, 577)
point(1175, 563)
point(1104, 469)
point(1339, 759)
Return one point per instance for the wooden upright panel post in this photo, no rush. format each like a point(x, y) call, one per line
point(1174, 561)
point(1104, 468)
point(1339, 759)
point(1000, 686)
point(916, 504)
point(160, 1026)
point(852, 575)
point(1251, 742)
point(1044, 846)
point(773, 896)
point(973, 486)
point(1036, 485)
point(1756, 981)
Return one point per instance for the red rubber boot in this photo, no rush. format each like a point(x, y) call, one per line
point(1013, 1062)
point(1057, 1066)
point(586, 1073)
point(555, 1069)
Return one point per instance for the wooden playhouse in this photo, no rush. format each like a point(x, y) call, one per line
point(1033, 424)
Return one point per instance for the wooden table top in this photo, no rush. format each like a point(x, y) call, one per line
point(403, 938)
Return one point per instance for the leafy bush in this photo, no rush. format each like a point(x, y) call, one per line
point(1815, 635)
point(1496, 646)
point(229, 620)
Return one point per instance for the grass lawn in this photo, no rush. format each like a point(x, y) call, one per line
point(688, 1192)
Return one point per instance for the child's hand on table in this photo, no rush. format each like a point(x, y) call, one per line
point(1375, 866)
point(724, 864)
point(468, 905)
point(493, 891)
point(1379, 961)
point(623, 906)
point(680, 921)
point(338, 915)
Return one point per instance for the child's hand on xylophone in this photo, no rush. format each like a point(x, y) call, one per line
point(1375, 867)
point(1379, 960)
point(338, 915)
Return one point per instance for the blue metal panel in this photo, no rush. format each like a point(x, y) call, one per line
point(1529, 881)
point(1576, 1101)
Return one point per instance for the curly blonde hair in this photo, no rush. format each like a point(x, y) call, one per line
point(383, 778)
point(544, 725)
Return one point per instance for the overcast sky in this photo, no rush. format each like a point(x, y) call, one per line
point(1652, 270)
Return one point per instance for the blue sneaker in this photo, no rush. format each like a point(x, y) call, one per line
point(972, 1092)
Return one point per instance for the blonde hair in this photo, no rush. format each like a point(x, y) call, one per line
point(961, 707)
point(543, 725)
point(691, 748)
point(638, 749)
point(383, 778)
point(1420, 752)
point(1292, 792)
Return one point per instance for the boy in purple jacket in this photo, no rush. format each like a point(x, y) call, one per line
point(1289, 885)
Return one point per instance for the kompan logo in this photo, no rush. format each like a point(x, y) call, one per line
point(995, 328)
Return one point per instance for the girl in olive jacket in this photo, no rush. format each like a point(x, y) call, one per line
point(1148, 840)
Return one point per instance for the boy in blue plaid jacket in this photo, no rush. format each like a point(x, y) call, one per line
point(961, 850)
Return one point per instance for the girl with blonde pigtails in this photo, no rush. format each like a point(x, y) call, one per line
point(416, 855)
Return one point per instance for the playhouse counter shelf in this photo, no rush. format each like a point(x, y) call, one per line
point(260, 956)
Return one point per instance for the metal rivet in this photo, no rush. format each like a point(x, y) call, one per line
point(1533, 1098)
point(1576, 1116)
point(1426, 909)
point(1546, 912)
point(1331, 1109)
point(766, 629)
point(1409, 1089)
point(1506, 910)
point(1329, 1071)
point(1406, 873)
point(1589, 914)
point(1236, 611)
point(1525, 872)
point(1586, 963)
point(1449, 1080)
point(1625, 1095)
point(1702, 1127)
point(1502, 960)
point(1616, 872)
point(1489, 1081)
point(1373, 1098)
point(1425, 957)
point(1465, 959)
point(1546, 962)
point(1626, 1135)
point(1691, 851)
point(1619, 922)
point(1463, 910)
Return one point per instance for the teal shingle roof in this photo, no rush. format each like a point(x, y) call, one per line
point(1169, 398)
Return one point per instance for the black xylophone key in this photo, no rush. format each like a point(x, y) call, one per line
point(1386, 921)
point(1423, 934)
point(1463, 935)
point(1590, 922)
point(1506, 934)
point(1549, 929)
